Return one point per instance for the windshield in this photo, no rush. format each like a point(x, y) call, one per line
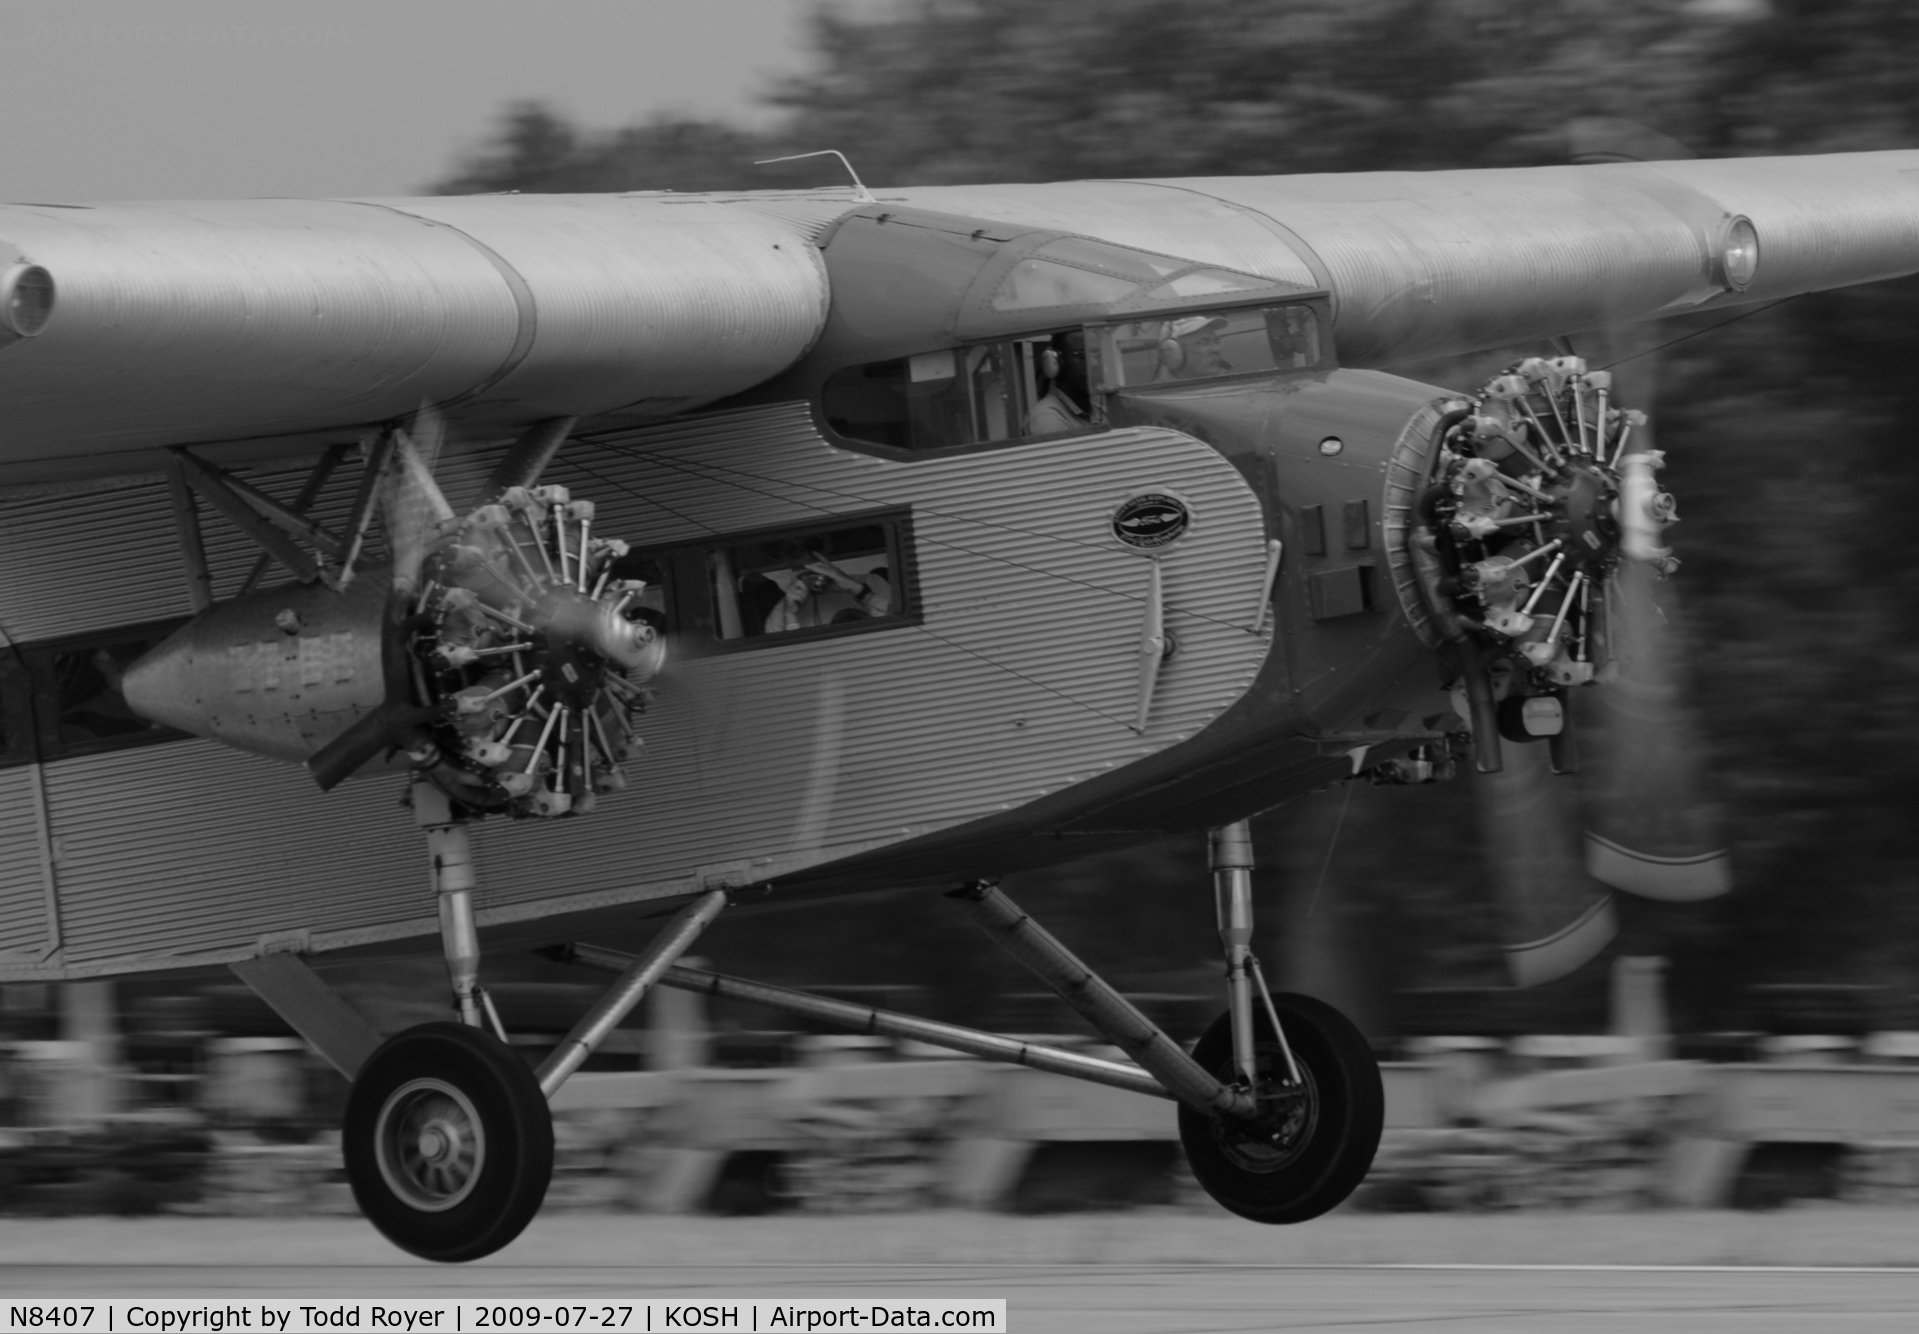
point(1210, 344)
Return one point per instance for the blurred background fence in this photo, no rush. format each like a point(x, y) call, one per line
point(131, 1101)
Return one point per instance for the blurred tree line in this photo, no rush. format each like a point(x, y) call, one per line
point(1791, 435)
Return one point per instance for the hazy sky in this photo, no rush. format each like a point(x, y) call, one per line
point(199, 99)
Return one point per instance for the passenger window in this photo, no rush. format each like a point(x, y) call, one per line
point(811, 579)
point(76, 691)
point(16, 709)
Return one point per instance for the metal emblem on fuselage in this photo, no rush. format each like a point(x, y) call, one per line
point(1151, 519)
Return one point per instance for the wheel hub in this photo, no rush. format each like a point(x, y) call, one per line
point(439, 1142)
point(429, 1144)
point(1276, 1135)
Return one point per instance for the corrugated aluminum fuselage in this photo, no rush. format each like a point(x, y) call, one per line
point(1015, 680)
point(955, 743)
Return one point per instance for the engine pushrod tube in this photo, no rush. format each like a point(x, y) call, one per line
point(629, 990)
point(888, 1023)
point(1117, 1018)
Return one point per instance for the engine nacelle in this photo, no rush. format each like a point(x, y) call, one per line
point(279, 672)
point(507, 663)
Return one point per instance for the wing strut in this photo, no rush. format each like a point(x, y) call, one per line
point(272, 526)
point(186, 521)
point(527, 458)
point(309, 492)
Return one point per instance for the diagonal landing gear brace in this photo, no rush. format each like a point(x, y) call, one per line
point(1116, 1018)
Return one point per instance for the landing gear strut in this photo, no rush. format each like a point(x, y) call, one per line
point(449, 1143)
point(1318, 1105)
point(447, 1138)
point(1281, 1104)
point(1312, 1139)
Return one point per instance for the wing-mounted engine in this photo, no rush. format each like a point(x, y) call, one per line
point(530, 650)
point(1529, 553)
point(503, 654)
point(1534, 490)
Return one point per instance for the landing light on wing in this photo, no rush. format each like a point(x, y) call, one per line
point(26, 300)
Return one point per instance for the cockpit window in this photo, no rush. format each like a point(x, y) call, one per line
point(1138, 265)
point(1033, 284)
point(1207, 282)
point(959, 396)
point(1208, 345)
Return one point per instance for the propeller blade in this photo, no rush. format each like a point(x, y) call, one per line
point(415, 510)
point(1648, 829)
point(362, 743)
point(1553, 916)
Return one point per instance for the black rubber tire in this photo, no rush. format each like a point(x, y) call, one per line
point(497, 1180)
point(1347, 1105)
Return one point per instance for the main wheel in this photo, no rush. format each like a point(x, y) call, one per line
point(448, 1142)
point(1313, 1141)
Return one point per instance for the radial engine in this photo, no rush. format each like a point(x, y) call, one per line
point(1537, 494)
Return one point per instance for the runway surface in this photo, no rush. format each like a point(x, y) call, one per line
point(1086, 1275)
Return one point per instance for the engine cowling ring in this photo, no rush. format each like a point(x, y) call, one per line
point(533, 650)
point(1528, 496)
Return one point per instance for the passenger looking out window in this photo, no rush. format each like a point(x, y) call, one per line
point(802, 582)
point(818, 592)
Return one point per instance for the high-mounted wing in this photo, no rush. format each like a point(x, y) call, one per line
point(1426, 263)
point(177, 323)
point(197, 323)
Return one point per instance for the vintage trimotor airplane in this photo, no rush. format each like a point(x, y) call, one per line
point(919, 536)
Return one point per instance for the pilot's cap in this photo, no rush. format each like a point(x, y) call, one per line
point(1192, 324)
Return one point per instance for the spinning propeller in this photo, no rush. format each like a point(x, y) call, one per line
point(1541, 531)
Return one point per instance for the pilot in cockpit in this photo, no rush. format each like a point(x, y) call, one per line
point(1189, 349)
point(1062, 408)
